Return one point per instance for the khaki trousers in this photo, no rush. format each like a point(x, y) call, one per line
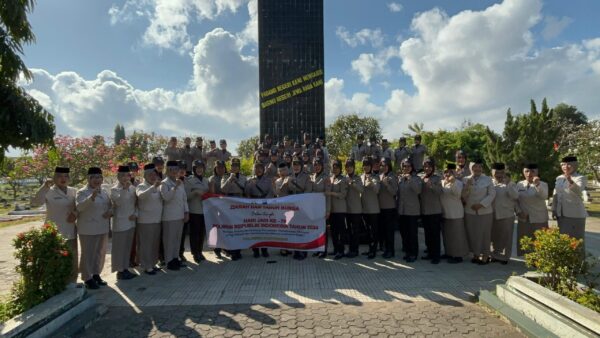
point(479, 233)
point(148, 244)
point(524, 228)
point(502, 238)
point(121, 249)
point(93, 253)
point(72, 243)
point(171, 237)
point(455, 237)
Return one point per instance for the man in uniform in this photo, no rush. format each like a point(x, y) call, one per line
point(273, 164)
point(462, 169)
point(567, 202)
point(373, 149)
point(175, 214)
point(401, 153)
point(172, 152)
point(186, 155)
point(259, 186)
point(198, 152)
point(287, 144)
point(386, 151)
point(196, 186)
point(300, 183)
point(308, 145)
point(418, 152)
point(234, 185)
point(359, 150)
point(354, 208)
point(159, 166)
point(222, 154)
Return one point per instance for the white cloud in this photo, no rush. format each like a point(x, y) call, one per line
point(395, 7)
point(368, 65)
point(553, 26)
point(374, 37)
point(337, 103)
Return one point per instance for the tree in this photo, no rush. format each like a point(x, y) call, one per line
point(25, 123)
point(442, 145)
point(341, 134)
point(246, 148)
point(417, 128)
point(119, 133)
point(139, 147)
point(585, 143)
point(18, 171)
point(527, 138)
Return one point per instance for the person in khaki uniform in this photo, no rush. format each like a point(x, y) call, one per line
point(567, 201)
point(409, 210)
point(533, 194)
point(197, 152)
point(222, 154)
point(431, 210)
point(123, 199)
point(353, 208)
point(186, 155)
point(271, 170)
point(172, 152)
point(211, 155)
point(369, 201)
point(359, 150)
point(505, 206)
point(214, 187)
point(234, 185)
point(479, 194)
point(386, 151)
point(93, 213)
point(387, 204)
point(417, 154)
point(400, 154)
point(462, 169)
point(453, 229)
point(175, 213)
point(196, 186)
point(283, 183)
point(259, 186)
point(150, 207)
point(59, 199)
point(337, 217)
point(321, 183)
point(299, 183)
point(373, 149)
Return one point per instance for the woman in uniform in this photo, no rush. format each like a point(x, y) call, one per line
point(453, 229)
point(431, 210)
point(338, 193)
point(370, 205)
point(60, 209)
point(175, 214)
point(307, 165)
point(123, 198)
point(387, 204)
point(409, 209)
point(196, 185)
point(533, 194)
point(94, 211)
point(567, 203)
point(505, 205)
point(234, 185)
point(354, 209)
point(321, 183)
point(479, 194)
point(149, 218)
point(259, 186)
point(214, 186)
point(300, 184)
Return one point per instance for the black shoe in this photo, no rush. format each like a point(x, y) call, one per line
point(181, 263)
point(156, 268)
point(218, 253)
point(173, 264)
point(91, 284)
point(151, 272)
point(495, 260)
point(322, 254)
point(162, 263)
point(99, 280)
point(411, 259)
point(201, 257)
point(182, 258)
point(484, 261)
point(332, 253)
point(475, 260)
point(297, 256)
point(435, 261)
point(371, 255)
point(125, 275)
point(197, 259)
point(352, 254)
point(264, 252)
point(427, 257)
point(339, 256)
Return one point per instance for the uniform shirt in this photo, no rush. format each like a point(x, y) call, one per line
point(506, 201)
point(374, 149)
point(567, 199)
point(150, 203)
point(339, 188)
point(387, 191)
point(355, 188)
point(369, 198)
point(461, 173)
point(482, 191)
point(358, 152)
point(211, 158)
point(89, 213)
point(197, 154)
point(418, 152)
point(195, 187)
point(233, 185)
point(173, 154)
point(321, 183)
point(271, 169)
point(282, 186)
point(259, 187)
point(409, 189)
point(300, 183)
point(431, 203)
point(175, 200)
point(399, 155)
point(532, 201)
point(123, 202)
point(387, 153)
point(452, 206)
point(215, 181)
point(221, 155)
point(186, 155)
point(58, 207)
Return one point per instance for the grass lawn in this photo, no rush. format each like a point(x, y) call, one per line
point(593, 209)
point(22, 220)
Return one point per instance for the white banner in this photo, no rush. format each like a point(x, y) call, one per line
point(295, 222)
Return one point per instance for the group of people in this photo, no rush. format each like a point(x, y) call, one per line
point(461, 209)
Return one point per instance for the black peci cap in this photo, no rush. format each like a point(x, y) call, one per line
point(450, 166)
point(336, 163)
point(149, 167)
point(172, 164)
point(182, 164)
point(349, 162)
point(220, 163)
point(531, 166)
point(61, 170)
point(282, 165)
point(198, 163)
point(158, 160)
point(123, 169)
point(94, 171)
point(498, 166)
point(235, 161)
point(569, 158)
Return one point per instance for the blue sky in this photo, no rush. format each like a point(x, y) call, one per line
point(182, 67)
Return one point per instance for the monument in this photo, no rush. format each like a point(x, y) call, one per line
point(291, 76)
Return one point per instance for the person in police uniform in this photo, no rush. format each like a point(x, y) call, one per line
point(196, 185)
point(211, 155)
point(370, 205)
point(150, 207)
point(271, 170)
point(175, 213)
point(359, 150)
point(186, 154)
point(462, 168)
point(321, 183)
point(287, 144)
point(59, 199)
point(214, 187)
point(431, 210)
point(93, 213)
point(223, 154)
point(259, 186)
point(282, 186)
point(567, 201)
point(353, 208)
point(234, 184)
point(197, 152)
point(386, 151)
point(373, 149)
point(533, 215)
point(478, 194)
point(159, 166)
point(387, 204)
point(409, 187)
point(401, 153)
point(172, 152)
point(337, 217)
point(417, 154)
point(453, 229)
point(505, 206)
point(300, 183)
point(123, 199)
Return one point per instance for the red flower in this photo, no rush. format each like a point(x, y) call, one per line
point(64, 253)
